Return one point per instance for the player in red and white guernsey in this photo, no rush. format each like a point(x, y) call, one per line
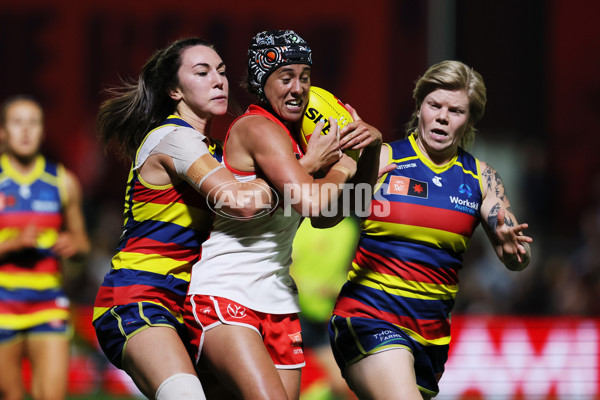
point(390, 328)
point(242, 302)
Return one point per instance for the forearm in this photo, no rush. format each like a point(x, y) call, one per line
point(310, 165)
point(241, 200)
point(366, 175)
point(8, 247)
point(320, 195)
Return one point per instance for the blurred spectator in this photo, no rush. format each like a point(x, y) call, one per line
point(42, 225)
point(320, 262)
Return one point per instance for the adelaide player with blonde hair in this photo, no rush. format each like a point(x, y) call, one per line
point(390, 328)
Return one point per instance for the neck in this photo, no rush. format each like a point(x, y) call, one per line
point(292, 126)
point(23, 164)
point(437, 158)
point(202, 125)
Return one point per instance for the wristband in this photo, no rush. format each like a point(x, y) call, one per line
point(342, 169)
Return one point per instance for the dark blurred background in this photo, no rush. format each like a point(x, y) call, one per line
point(540, 61)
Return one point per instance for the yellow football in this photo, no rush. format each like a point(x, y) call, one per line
point(322, 105)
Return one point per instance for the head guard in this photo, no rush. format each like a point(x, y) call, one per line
point(270, 50)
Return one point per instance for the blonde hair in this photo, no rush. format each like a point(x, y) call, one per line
point(452, 75)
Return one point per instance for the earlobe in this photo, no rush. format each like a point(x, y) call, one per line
point(175, 94)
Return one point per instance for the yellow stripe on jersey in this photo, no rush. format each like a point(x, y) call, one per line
point(30, 178)
point(183, 214)
point(17, 322)
point(160, 264)
point(401, 287)
point(151, 186)
point(7, 234)
point(466, 171)
point(438, 238)
point(45, 240)
point(29, 280)
point(62, 185)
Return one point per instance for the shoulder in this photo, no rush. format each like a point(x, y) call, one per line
point(486, 168)
point(398, 147)
point(258, 128)
point(469, 162)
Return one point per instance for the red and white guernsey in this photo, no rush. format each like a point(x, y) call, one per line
point(248, 261)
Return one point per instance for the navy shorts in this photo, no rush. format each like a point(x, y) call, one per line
point(355, 338)
point(55, 328)
point(119, 324)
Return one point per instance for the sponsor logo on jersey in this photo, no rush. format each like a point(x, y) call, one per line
point(405, 186)
point(465, 189)
point(464, 205)
point(296, 338)
point(45, 206)
point(25, 191)
point(406, 166)
point(437, 181)
point(206, 310)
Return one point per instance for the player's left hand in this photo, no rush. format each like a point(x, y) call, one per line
point(515, 245)
point(65, 245)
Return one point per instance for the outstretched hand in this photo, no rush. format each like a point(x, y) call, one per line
point(514, 244)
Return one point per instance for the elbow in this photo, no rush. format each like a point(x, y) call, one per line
point(246, 210)
point(248, 203)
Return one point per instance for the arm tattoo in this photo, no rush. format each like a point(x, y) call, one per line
point(493, 218)
point(492, 181)
point(486, 176)
point(508, 220)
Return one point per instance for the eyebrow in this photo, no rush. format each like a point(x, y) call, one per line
point(288, 68)
point(222, 64)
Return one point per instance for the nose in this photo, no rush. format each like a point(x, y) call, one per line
point(296, 86)
point(219, 79)
point(442, 116)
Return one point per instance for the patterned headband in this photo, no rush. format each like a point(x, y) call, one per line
point(270, 50)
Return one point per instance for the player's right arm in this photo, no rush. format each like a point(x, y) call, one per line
point(185, 156)
point(256, 143)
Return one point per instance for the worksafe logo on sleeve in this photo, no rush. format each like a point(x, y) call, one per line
point(407, 187)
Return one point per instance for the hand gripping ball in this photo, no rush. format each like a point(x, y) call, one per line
point(322, 105)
